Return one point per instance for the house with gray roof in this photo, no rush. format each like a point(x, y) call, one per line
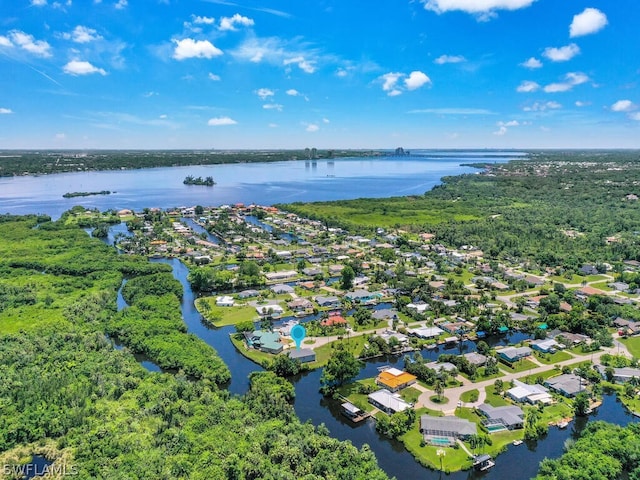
point(523, 392)
point(327, 301)
point(568, 384)
point(620, 375)
point(508, 417)
point(303, 355)
point(264, 341)
point(451, 428)
point(513, 354)
point(475, 358)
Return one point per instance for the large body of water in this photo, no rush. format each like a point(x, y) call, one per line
point(287, 182)
point(260, 183)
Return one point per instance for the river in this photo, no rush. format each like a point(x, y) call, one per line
point(262, 183)
point(310, 405)
point(305, 181)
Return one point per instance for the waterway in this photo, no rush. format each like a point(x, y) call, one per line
point(310, 405)
point(262, 183)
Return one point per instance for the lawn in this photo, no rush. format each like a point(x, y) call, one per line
point(410, 394)
point(552, 358)
point(494, 399)
point(519, 366)
point(353, 344)
point(470, 396)
point(360, 400)
point(224, 316)
point(632, 344)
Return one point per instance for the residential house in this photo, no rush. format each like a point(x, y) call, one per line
point(303, 355)
point(385, 314)
point(393, 379)
point(362, 296)
point(312, 271)
point(387, 335)
point(513, 354)
point(264, 341)
point(387, 401)
point(451, 428)
point(282, 288)
point(567, 384)
point(327, 302)
point(279, 276)
point(271, 310)
point(300, 304)
point(425, 332)
point(475, 358)
point(225, 301)
point(620, 375)
point(248, 294)
point(334, 319)
point(548, 345)
point(523, 392)
point(509, 417)
point(442, 366)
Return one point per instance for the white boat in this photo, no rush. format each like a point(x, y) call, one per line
point(563, 424)
point(517, 442)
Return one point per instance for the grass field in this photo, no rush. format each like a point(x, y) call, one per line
point(224, 316)
point(553, 358)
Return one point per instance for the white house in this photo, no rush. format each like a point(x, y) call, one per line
point(224, 301)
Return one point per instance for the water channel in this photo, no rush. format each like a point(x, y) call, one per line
point(310, 405)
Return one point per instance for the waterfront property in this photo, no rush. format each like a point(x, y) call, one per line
point(426, 332)
point(387, 401)
point(393, 379)
point(224, 301)
point(352, 412)
point(327, 301)
point(522, 392)
point(620, 375)
point(513, 354)
point(303, 355)
point(444, 431)
point(496, 419)
point(567, 384)
point(268, 342)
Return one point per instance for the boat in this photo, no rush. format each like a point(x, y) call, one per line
point(563, 424)
point(517, 442)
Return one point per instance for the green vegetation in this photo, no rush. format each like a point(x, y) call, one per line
point(603, 452)
point(206, 182)
point(86, 194)
point(46, 162)
point(69, 395)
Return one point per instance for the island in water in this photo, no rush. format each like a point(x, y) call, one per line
point(191, 180)
point(86, 194)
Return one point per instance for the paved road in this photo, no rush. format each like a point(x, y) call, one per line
point(453, 394)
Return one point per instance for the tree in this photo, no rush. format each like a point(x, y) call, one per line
point(342, 367)
point(346, 281)
point(199, 209)
point(285, 366)
point(581, 404)
point(483, 347)
point(438, 387)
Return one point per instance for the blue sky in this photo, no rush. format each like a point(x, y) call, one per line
point(162, 74)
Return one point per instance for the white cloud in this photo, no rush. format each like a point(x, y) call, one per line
point(542, 106)
point(571, 80)
point(416, 79)
point(221, 121)
point(326, 120)
point(60, 136)
point(5, 111)
point(312, 127)
point(623, 106)
point(78, 67)
point(272, 106)
point(532, 63)
point(591, 20)
point(390, 80)
point(635, 116)
point(82, 34)
point(190, 48)
point(5, 42)
point(528, 86)
point(28, 43)
point(38, 3)
point(150, 94)
point(580, 103)
point(342, 72)
point(272, 125)
point(293, 92)
point(504, 126)
point(561, 54)
point(484, 9)
point(265, 93)
point(304, 65)
point(121, 4)
point(442, 59)
point(214, 77)
point(203, 20)
point(229, 23)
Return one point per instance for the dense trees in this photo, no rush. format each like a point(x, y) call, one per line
point(603, 452)
point(61, 379)
point(341, 368)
